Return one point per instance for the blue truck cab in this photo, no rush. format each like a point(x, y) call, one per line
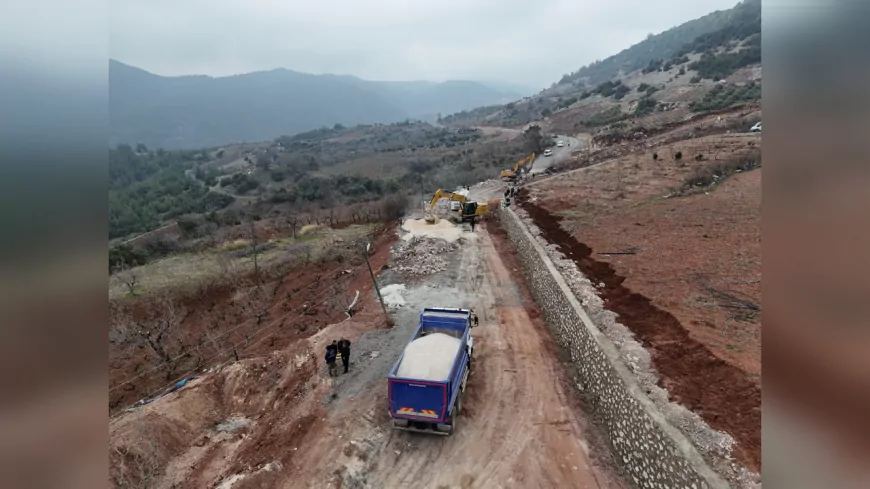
point(429, 406)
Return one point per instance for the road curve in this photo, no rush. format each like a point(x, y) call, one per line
point(559, 154)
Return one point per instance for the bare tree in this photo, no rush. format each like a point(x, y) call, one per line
point(136, 467)
point(293, 222)
point(130, 279)
point(122, 328)
point(331, 217)
point(160, 332)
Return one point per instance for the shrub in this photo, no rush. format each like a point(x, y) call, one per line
point(645, 106)
point(678, 156)
point(620, 92)
point(714, 174)
point(655, 156)
point(609, 116)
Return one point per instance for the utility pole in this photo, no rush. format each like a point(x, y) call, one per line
point(375, 282)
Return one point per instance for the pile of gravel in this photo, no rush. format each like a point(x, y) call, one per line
point(429, 357)
point(421, 256)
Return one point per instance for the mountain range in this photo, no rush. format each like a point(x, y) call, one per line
point(202, 111)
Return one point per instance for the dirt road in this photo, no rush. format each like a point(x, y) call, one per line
point(521, 425)
point(559, 154)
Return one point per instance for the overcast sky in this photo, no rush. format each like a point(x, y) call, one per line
point(531, 42)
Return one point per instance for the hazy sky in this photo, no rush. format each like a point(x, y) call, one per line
point(531, 42)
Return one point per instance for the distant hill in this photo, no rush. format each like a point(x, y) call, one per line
point(203, 111)
point(667, 44)
point(712, 48)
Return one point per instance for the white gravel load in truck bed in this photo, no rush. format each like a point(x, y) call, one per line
point(429, 357)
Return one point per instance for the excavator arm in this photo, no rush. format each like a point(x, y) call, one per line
point(521, 163)
point(441, 194)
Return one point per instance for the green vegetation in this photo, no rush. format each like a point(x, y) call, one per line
point(240, 182)
point(745, 22)
point(148, 188)
point(608, 88)
point(724, 96)
point(668, 44)
point(707, 177)
point(645, 105)
point(474, 114)
point(720, 66)
point(654, 65)
point(609, 116)
point(125, 256)
point(620, 92)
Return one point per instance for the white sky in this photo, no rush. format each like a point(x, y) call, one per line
point(526, 42)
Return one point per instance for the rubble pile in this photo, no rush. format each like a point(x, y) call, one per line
point(442, 209)
point(421, 256)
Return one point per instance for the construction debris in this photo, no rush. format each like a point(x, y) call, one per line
point(421, 256)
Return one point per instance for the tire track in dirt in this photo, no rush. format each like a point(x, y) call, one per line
point(722, 394)
point(520, 425)
point(517, 428)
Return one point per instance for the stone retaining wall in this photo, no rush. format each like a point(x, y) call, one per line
point(651, 453)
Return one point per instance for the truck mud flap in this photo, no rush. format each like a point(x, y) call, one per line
point(410, 427)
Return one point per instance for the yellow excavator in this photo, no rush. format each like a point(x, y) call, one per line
point(464, 210)
point(513, 173)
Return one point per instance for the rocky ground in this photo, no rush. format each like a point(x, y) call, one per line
point(279, 421)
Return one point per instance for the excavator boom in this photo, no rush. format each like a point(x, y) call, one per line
point(521, 163)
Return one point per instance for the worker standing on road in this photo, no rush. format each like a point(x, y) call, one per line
point(344, 349)
point(331, 354)
point(472, 224)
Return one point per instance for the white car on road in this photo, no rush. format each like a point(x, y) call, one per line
point(548, 152)
point(755, 128)
point(560, 144)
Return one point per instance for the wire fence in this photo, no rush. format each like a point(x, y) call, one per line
point(238, 348)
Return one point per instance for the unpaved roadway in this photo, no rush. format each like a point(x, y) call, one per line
point(521, 425)
point(281, 422)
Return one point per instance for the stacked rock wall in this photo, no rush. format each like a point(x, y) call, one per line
point(651, 453)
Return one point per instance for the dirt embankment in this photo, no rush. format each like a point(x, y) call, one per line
point(277, 420)
point(158, 340)
point(679, 256)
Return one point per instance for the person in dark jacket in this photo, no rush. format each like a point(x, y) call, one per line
point(344, 349)
point(331, 354)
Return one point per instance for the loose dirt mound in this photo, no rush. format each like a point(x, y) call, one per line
point(442, 229)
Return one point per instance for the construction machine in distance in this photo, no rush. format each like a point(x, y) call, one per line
point(513, 173)
point(459, 204)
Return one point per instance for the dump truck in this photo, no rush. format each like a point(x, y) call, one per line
point(425, 386)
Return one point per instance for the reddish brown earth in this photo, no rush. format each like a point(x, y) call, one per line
point(301, 302)
point(299, 428)
point(688, 283)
